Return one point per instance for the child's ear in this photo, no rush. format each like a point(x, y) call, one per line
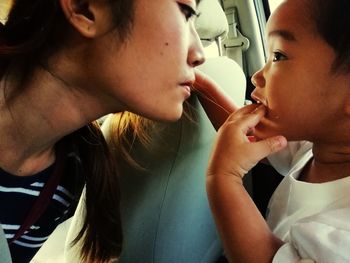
point(82, 15)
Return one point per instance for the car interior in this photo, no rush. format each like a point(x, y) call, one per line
point(165, 212)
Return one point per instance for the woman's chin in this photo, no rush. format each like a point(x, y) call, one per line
point(169, 117)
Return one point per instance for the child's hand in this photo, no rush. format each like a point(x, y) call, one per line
point(235, 151)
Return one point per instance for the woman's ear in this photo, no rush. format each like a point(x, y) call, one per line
point(81, 15)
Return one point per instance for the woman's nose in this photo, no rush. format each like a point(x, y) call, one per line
point(196, 54)
point(200, 59)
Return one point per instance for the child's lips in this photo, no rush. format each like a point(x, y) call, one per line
point(265, 105)
point(268, 113)
point(263, 102)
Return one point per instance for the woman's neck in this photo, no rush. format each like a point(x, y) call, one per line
point(32, 122)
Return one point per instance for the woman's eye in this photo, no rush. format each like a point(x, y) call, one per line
point(277, 56)
point(188, 11)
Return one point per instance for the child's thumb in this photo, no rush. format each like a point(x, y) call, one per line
point(271, 145)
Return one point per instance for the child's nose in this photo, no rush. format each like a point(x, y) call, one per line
point(258, 79)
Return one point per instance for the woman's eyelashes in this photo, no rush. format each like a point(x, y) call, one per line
point(278, 56)
point(188, 11)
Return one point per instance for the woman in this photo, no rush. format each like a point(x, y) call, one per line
point(64, 64)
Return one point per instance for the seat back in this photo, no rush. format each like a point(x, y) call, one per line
point(5, 256)
point(165, 212)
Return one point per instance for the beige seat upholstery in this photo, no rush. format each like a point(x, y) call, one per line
point(212, 22)
point(229, 75)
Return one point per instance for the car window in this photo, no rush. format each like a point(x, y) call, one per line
point(273, 4)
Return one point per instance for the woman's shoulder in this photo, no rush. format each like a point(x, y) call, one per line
point(58, 248)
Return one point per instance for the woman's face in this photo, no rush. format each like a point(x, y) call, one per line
point(304, 98)
point(152, 71)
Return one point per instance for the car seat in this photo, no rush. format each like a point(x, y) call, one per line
point(5, 256)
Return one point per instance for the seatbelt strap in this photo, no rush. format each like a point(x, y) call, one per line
point(235, 43)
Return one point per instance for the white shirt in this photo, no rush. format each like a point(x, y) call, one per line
point(313, 219)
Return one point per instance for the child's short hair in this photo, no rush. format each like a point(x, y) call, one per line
point(332, 21)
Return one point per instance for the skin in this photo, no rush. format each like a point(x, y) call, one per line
point(301, 100)
point(97, 73)
point(156, 60)
point(290, 78)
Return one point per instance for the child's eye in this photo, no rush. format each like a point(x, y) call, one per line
point(188, 11)
point(277, 56)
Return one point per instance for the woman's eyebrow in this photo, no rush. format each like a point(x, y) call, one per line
point(285, 34)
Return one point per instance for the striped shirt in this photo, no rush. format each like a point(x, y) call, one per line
point(17, 195)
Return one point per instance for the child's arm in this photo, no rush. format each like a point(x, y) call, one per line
point(217, 105)
point(245, 235)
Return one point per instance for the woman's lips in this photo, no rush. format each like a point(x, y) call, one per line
point(187, 86)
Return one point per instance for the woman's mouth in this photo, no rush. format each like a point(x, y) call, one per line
point(187, 86)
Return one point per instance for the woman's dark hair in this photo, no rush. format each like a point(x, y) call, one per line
point(101, 231)
point(332, 22)
point(34, 30)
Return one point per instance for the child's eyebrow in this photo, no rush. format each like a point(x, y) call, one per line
point(285, 34)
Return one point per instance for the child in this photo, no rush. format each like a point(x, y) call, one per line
point(304, 94)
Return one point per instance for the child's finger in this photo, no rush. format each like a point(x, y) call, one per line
point(247, 119)
point(269, 146)
point(244, 111)
point(247, 110)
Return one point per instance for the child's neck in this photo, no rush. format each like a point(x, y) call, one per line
point(330, 162)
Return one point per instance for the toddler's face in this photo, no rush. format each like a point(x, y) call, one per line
point(296, 84)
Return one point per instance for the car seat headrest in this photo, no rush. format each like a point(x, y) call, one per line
point(228, 75)
point(212, 22)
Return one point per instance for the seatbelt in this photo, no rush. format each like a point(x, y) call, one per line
point(235, 44)
point(46, 194)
